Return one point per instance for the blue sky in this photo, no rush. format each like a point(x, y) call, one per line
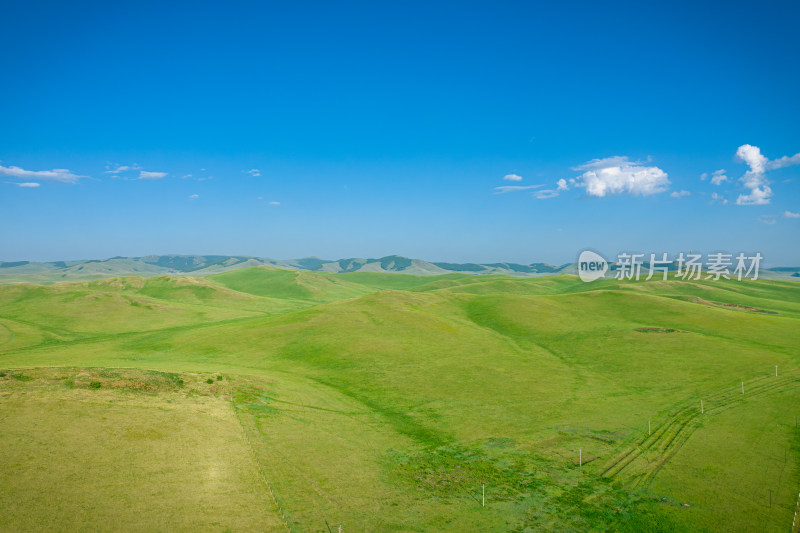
point(379, 128)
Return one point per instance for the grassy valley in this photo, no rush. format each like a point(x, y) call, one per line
point(395, 402)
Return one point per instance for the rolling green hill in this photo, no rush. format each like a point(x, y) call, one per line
point(391, 401)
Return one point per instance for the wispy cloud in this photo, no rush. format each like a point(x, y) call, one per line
point(545, 194)
point(785, 161)
point(767, 219)
point(121, 168)
point(680, 194)
point(755, 179)
point(145, 175)
point(33, 185)
point(718, 198)
point(129, 172)
point(274, 203)
point(515, 188)
point(254, 172)
point(512, 177)
point(789, 214)
point(194, 196)
point(619, 175)
point(61, 175)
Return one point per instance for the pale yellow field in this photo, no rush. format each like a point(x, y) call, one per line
point(83, 459)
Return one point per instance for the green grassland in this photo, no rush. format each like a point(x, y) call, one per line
point(389, 402)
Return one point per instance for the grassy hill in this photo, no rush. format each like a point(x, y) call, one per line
point(391, 401)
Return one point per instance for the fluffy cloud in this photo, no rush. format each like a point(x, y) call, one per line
point(680, 194)
point(512, 177)
point(562, 185)
point(619, 175)
point(789, 214)
point(145, 175)
point(755, 179)
point(31, 184)
point(514, 188)
point(61, 175)
point(718, 177)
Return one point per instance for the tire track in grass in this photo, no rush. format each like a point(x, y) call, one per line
point(672, 435)
point(678, 430)
point(681, 420)
point(258, 463)
point(11, 331)
point(656, 449)
point(681, 439)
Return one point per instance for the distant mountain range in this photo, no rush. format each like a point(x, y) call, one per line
point(201, 265)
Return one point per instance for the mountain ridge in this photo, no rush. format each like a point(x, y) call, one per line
point(203, 265)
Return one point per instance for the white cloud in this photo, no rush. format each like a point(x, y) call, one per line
point(31, 184)
point(128, 172)
point(718, 177)
point(61, 175)
point(194, 196)
point(753, 157)
point(514, 188)
point(789, 214)
point(619, 175)
point(767, 219)
point(617, 160)
point(546, 193)
point(718, 198)
point(759, 195)
point(680, 194)
point(145, 175)
point(274, 203)
point(784, 161)
point(512, 177)
point(122, 168)
point(755, 179)
point(254, 172)
point(562, 185)
point(704, 176)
